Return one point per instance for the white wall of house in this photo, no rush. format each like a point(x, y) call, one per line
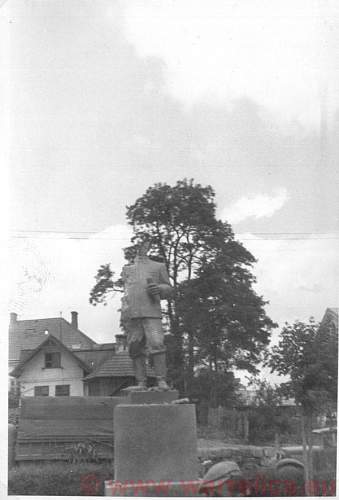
point(35, 374)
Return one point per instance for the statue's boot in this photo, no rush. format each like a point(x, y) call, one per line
point(159, 363)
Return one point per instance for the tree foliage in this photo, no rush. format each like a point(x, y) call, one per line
point(309, 356)
point(104, 286)
point(267, 421)
point(215, 317)
point(218, 388)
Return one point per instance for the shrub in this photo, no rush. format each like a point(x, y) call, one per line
point(59, 479)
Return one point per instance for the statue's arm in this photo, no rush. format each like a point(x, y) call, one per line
point(166, 291)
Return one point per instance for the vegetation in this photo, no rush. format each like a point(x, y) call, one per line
point(215, 319)
point(59, 479)
point(309, 356)
point(269, 423)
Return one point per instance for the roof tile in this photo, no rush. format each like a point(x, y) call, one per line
point(28, 334)
point(119, 365)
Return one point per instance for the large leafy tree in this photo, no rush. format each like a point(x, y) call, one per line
point(221, 313)
point(215, 316)
point(308, 355)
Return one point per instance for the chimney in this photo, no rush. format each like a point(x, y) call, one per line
point(120, 342)
point(74, 320)
point(13, 318)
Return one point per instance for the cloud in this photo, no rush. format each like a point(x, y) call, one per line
point(257, 206)
point(276, 53)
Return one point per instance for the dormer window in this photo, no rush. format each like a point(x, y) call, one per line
point(52, 360)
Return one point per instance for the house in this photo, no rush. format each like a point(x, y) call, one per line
point(52, 357)
point(26, 335)
point(114, 374)
point(330, 321)
point(51, 369)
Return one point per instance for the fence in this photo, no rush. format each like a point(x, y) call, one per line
point(232, 421)
point(54, 428)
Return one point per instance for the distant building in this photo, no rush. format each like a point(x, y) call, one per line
point(52, 357)
point(330, 321)
point(26, 335)
point(113, 375)
point(51, 369)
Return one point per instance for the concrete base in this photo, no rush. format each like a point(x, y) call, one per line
point(151, 489)
point(154, 443)
point(151, 397)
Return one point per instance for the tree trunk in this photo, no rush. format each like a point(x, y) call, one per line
point(310, 452)
point(305, 453)
point(190, 364)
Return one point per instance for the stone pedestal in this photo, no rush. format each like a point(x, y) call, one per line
point(155, 443)
point(151, 397)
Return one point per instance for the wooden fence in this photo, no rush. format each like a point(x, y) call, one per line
point(55, 428)
point(233, 421)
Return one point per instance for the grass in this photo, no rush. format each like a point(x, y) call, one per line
point(59, 479)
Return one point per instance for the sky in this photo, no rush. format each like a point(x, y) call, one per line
point(108, 98)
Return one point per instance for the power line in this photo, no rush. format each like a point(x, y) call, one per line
point(96, 232)
point(259, 236)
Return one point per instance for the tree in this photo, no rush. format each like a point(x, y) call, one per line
point(218, 388)
point(308, 355)
point(104, 286)
point(225, 316)
point(267, 423)
point(211, 274)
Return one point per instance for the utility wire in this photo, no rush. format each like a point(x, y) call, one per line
point(266, 236)
point(96, 232)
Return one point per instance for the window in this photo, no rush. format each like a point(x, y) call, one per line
point(52, 360)
point(62, 390)
point(41, 390)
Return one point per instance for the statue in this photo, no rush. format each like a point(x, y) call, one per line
point(146, 283)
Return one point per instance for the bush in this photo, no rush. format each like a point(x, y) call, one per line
point(59, 479)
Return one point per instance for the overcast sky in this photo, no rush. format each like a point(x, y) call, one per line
point(108, 98)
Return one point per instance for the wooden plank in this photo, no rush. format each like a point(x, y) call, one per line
point(42, 428)
point(48, 427)
point(69, 408)
point(43, 452)
point(65, 439)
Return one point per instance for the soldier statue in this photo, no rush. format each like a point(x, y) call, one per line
point(146, 283)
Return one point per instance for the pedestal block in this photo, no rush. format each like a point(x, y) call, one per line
point(151, 397)
point(155, 442)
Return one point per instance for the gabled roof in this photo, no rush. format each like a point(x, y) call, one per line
point(94, 357)
point(330, 316)
point(48, 339)
point(119, 365)
point(28, 334)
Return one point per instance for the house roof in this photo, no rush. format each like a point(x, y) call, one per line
point(119, 365)
point(47, 340)
point(94, 357)
point(330, 316)
point(29, 334)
